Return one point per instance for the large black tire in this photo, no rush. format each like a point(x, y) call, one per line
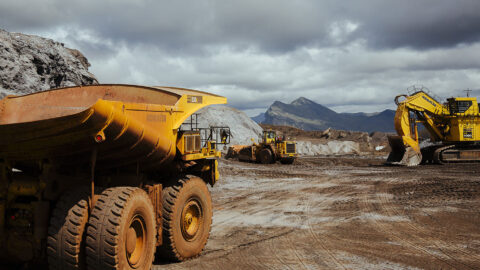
point(187, 219)
point(265, 156)
point(287, 160)
point(121, 231)
point(65, 241)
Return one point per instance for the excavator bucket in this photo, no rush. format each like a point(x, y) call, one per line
point(401, 154)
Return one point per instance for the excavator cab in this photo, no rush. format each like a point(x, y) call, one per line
point(462, 106)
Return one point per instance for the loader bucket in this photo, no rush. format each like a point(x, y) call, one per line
point(401, 154)
point(247, 153)
point(234, 150)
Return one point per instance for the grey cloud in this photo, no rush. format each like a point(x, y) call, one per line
point(347, 54)
point(274, 26)
point(416, 24)
point(179, 26)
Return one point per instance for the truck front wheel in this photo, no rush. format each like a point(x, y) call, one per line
point(265, 156)
point(187, 218)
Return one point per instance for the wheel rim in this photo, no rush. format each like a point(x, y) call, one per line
point(191, 219)
point(135, 240)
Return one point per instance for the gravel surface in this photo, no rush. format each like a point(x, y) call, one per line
point(343, 213)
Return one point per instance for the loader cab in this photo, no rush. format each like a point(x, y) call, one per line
point(463, 106)
point(269, 136)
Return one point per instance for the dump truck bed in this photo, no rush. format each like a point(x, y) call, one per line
point(123, 124)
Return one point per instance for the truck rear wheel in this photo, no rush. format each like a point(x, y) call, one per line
point(265, 156)
point(65, 245)
point(187, 218)
point(121, 232)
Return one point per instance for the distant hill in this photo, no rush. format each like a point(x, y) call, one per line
point(308, 115)
point(259, 118)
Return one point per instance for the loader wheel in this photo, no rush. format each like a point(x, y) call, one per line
point(287, 160)
point(265, 156)
point(187, 218)
point(65, 245)
point(121, 231)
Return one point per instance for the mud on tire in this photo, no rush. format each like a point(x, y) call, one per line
point(121, 231)
point(65, 241)
point(187, 219)
point(265, 156)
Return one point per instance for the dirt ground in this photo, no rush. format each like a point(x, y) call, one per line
point(343, 213)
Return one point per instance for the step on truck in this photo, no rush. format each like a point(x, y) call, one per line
point(102, 177)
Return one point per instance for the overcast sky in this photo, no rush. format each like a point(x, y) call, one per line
point(350, 55)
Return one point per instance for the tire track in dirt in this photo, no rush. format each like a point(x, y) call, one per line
point(271, 244)
point(282, 174)
point(471, 255)
point(412, 226)
point(291, 257)
point(268, 247)
point(298, 255)
point(392, 231)
point(242, 251)
point(277, 254)
point(293, 243)
point(316, 237)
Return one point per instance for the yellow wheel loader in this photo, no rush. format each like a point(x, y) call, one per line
point(271, 149)
point(454, 128)
point(102, 177)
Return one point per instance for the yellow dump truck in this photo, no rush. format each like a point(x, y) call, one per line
point(102, 177)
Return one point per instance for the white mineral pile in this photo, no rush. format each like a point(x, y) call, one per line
point(242, 127)
point(30, 63)
point(328, 148)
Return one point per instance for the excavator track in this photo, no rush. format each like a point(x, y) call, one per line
point(440, 154)
point(437, 156)
point(455, 154)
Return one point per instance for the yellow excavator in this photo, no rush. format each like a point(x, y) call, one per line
point(454, 127)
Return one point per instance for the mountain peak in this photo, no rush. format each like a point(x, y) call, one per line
point(308, 115)
point(302, 101)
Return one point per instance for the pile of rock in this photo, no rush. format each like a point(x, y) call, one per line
point(30, 63)
point(243, 129)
